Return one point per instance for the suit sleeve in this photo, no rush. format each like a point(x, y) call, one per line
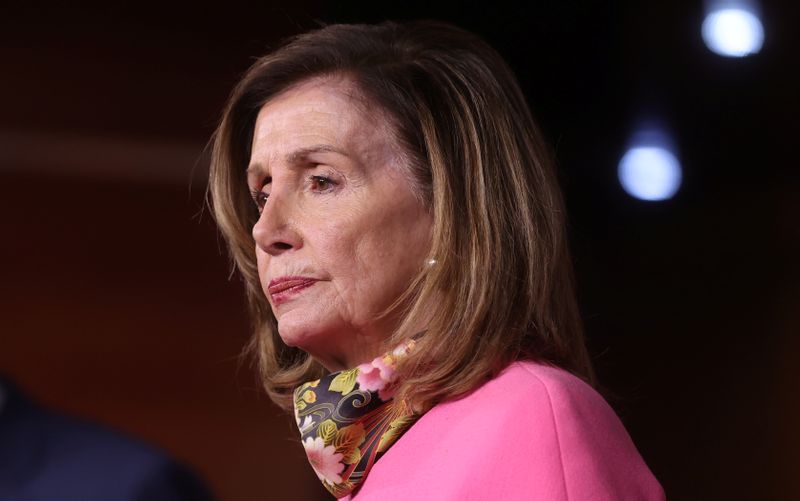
point(598, 458)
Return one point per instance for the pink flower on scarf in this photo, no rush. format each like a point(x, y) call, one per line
point(378, 375)
point(327, 463)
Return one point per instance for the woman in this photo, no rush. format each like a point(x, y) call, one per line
point(395, 215)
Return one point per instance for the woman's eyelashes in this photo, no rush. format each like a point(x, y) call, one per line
point(260, 198)
point(316, 184)
point(321, 184)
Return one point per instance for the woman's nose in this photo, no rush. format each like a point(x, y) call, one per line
point(274, 232)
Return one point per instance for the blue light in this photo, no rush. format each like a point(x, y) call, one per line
point(733, 32)
point(650, 173)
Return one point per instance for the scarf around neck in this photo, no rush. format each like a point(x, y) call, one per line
point(348, 419)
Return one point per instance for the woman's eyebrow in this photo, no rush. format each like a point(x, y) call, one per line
point(297, 158)
point(300, 156)
point(253, 170)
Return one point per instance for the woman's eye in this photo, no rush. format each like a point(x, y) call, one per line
point(260, 199)
point(321, 183)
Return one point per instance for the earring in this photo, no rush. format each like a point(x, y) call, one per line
point(430, 262)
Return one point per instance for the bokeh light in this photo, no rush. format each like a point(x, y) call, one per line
point(650, 172)
point(733, 31)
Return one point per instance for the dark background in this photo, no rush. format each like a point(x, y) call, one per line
point(116, 302)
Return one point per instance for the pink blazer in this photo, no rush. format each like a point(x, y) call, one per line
point(533, 433)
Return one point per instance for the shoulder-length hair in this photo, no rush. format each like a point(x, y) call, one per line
point(502, 283)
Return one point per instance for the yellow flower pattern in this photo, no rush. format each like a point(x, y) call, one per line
point(351, 426)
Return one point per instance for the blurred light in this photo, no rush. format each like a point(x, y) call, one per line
point(650, 172)
point(733, 31)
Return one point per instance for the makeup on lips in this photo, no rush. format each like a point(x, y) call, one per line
point(282, 289)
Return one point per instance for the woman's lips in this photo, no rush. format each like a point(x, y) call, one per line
point(285, 288)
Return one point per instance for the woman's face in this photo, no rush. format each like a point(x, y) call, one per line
point(341, 234)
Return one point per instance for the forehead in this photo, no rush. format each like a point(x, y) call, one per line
point(323, 110)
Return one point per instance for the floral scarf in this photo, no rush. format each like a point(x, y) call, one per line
point(349, 419)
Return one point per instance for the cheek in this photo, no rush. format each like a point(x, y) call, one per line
point(261, 264)
point(350, 256)
point(261, 267)
point(370, 250)
point(388, 250)
point(335, 247)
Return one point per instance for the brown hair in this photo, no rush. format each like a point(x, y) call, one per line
point(502, 283)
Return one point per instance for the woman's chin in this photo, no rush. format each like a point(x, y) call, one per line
point(334, 347)
point(293, 339)
point(303, 334)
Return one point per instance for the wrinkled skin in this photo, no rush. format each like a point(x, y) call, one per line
point(341, 210)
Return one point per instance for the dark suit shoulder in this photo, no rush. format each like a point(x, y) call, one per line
point(48, 455)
